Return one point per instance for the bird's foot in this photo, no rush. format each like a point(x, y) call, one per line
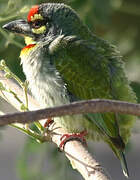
point(48, 122)
point(75, 136)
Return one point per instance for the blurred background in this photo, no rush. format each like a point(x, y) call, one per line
point(117, 21)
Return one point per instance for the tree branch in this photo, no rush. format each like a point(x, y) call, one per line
point(90, 106)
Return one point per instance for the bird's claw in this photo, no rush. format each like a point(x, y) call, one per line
point(75, 136)
point(48, 123)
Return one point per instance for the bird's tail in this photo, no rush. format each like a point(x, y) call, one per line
point(116, 143)
point(121, 156)
point(123, 163)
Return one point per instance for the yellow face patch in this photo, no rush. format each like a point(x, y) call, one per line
point(36, 17)
point(29, 40)
point(40, 30)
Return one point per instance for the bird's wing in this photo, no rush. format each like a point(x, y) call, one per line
point(95, 70)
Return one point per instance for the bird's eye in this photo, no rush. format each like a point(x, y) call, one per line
point(37, 24)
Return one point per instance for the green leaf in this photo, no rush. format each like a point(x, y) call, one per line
point(2, 88)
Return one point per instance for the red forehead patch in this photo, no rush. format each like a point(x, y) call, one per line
point(33, 10)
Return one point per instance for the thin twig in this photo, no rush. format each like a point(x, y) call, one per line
point(90, 106)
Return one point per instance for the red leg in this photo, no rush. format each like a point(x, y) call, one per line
point(75, 136)
point(48, 122)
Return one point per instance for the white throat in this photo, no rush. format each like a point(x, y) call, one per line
point(45, 81)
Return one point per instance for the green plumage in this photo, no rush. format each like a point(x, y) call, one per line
point(69, 63)
point(95, 70)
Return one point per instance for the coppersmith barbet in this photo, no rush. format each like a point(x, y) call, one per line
point(65, 62)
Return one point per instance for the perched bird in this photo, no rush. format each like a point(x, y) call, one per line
point(65, 62)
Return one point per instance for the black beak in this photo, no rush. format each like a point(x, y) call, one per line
point(19, 26)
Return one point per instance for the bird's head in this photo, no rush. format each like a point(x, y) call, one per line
point(48, 19)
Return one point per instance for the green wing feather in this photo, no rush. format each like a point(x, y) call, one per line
point(95, 70)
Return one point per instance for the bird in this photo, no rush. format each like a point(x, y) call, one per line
point(64, 61)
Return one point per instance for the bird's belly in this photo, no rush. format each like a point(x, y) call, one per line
point(49, 93)
point(49, 90)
